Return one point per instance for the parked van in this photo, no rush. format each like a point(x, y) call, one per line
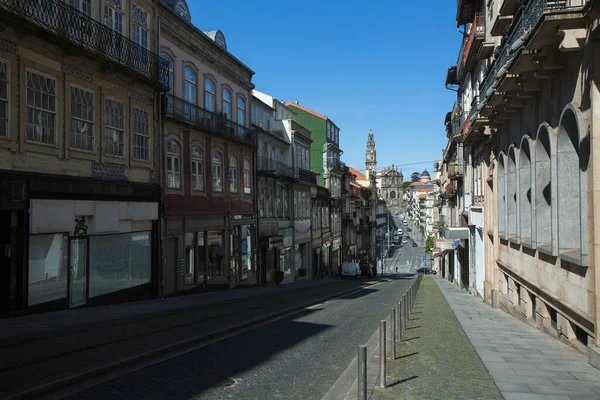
point(350, 270)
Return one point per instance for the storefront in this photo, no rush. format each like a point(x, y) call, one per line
point(336, 248)
point(316, 257)
point(326, 256)
point(64, 248)
point(286, 256)
point(242, 255)
point(302, 249)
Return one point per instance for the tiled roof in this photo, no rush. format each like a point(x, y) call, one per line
point(423, 190)
point(417, 184)
point(289, 103)
point(423, 196)
point(359, 176)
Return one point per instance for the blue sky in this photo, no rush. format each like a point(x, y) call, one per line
point(374, 64)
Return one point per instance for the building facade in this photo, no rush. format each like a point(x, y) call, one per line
point(524, 130)
point(209, 154)
point(389, 183)
point(79, 192)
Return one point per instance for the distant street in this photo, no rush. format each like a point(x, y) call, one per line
point(406, 257)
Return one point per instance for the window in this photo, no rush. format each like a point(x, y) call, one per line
point(4, 127)
point(41, 108)
point(84, 6)
point(226, 103)
point(141, 135)
point(262, 199)
point(241, 114)
point(247, 177)
point(233, 175)
point(260, 118)
point(47, 268)
point(182, 11)
point(173, 165)
point(189, 92)
point(82, 119)
point(169, 60)
point(197, 168)
point(268, 121)
point(209, 95)
point(253, 114)
point(140, 33)
point(217, 171)
point(113, 19)
point(278, 210)
point(285, 201)
point(114, 128)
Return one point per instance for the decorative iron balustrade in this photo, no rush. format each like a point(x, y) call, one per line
point(71, 25)
point(275, 168)
point(519, 32)
point(305, 175)
point(334, 163)
point(189, 113)
point(477, 32)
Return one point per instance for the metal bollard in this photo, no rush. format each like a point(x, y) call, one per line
point(393, 323)
point(399, 321)
point(362, 372)
point(382, 353)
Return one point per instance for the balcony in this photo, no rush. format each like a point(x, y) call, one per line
point(455, 171)
point(307, 176)
point(276, 169)
point(183, 111)
point(451, 189)
point(471, 45)
point(73, 27)
point(334, 163)
point(522, 29)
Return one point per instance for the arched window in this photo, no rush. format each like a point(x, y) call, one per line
point(543, 192)
point(173, 165)
point(392, 194)
point(511, 195)
point(217, 171)
point(501, 191)
point(525, 195)
point(226, 106)
point(197, 168)
point(182, 11)
point(209, 95)
point(241, 112)
point(247, 176)
point(189, 92)
point(572, 160)
point(169, 60)
point(233, 175)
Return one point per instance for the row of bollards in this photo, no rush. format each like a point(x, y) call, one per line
point(398, 319)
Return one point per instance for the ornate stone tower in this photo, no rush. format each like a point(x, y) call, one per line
point(371, 160)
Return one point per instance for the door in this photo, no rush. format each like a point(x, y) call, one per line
point(78, 256)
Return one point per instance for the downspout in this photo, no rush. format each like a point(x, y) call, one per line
point(293, 219)
point(160, 223)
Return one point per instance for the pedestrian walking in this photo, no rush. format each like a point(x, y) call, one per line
point(396, 269)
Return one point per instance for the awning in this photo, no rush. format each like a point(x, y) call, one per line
point(457, 233)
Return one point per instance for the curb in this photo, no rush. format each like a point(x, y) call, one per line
point(71, 380)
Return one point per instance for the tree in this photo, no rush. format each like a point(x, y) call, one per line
point(405, 186)
point(415, 177)
point(429, 243)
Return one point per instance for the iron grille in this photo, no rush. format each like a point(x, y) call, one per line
point(68, 23)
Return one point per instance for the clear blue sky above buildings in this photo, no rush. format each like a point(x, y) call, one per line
point(377, 64)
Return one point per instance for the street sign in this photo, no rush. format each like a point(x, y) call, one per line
point(423, 259)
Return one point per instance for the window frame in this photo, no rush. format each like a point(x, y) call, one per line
point(217, 171)
point(174, 156)
point(224, 102)
point(147, 136)
point(197, 169)
point(106, 126)
point(234, 174)
point(208, 95)
point(247, 175)
point(189, 84)
point(56, 95)
point(241, 111)
point(92, 122)
point(8, 92)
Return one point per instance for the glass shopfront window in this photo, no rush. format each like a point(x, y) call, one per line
point(119, 262)
point(201, 255)
point(285, 263)
point(48, 267)
point(216, 251)
point(189, 259)
point(246, 250)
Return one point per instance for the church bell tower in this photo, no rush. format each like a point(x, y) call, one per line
point(371, 159)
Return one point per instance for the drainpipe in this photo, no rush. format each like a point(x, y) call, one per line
point(293, 219)
point(160, 223)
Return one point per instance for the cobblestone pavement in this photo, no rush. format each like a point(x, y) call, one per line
point(437, 360)
point(297, 357)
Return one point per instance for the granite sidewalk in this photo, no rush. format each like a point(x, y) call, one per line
point(525, 363)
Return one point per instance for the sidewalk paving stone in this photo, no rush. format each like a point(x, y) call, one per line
point(436, 361)
point(525, 363)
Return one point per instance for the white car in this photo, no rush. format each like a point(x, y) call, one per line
point(404, 241)
point(399, 231)
point(350, 270)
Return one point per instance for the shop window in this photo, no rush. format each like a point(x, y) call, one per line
point(201, 255)
point(119, 262)
point(245, 233)
point(189, 258)
point(48, 268)
point(216, 251)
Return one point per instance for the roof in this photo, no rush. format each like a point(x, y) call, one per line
point(383, 171)
point(423, 196)
point(425, 173)
point(423, 190)
point(298, 106)
point(418, 184)
point(359, 176)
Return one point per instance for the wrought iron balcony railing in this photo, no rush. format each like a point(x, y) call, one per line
point(477, 33)
point(519, 32)
point(275, 168)
point(189, 113)
point(72, 26)
point(334, 163)
point(305, 175)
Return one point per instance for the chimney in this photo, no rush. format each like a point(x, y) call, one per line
point(297, 102)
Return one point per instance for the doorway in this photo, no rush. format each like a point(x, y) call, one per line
point(78, 265)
